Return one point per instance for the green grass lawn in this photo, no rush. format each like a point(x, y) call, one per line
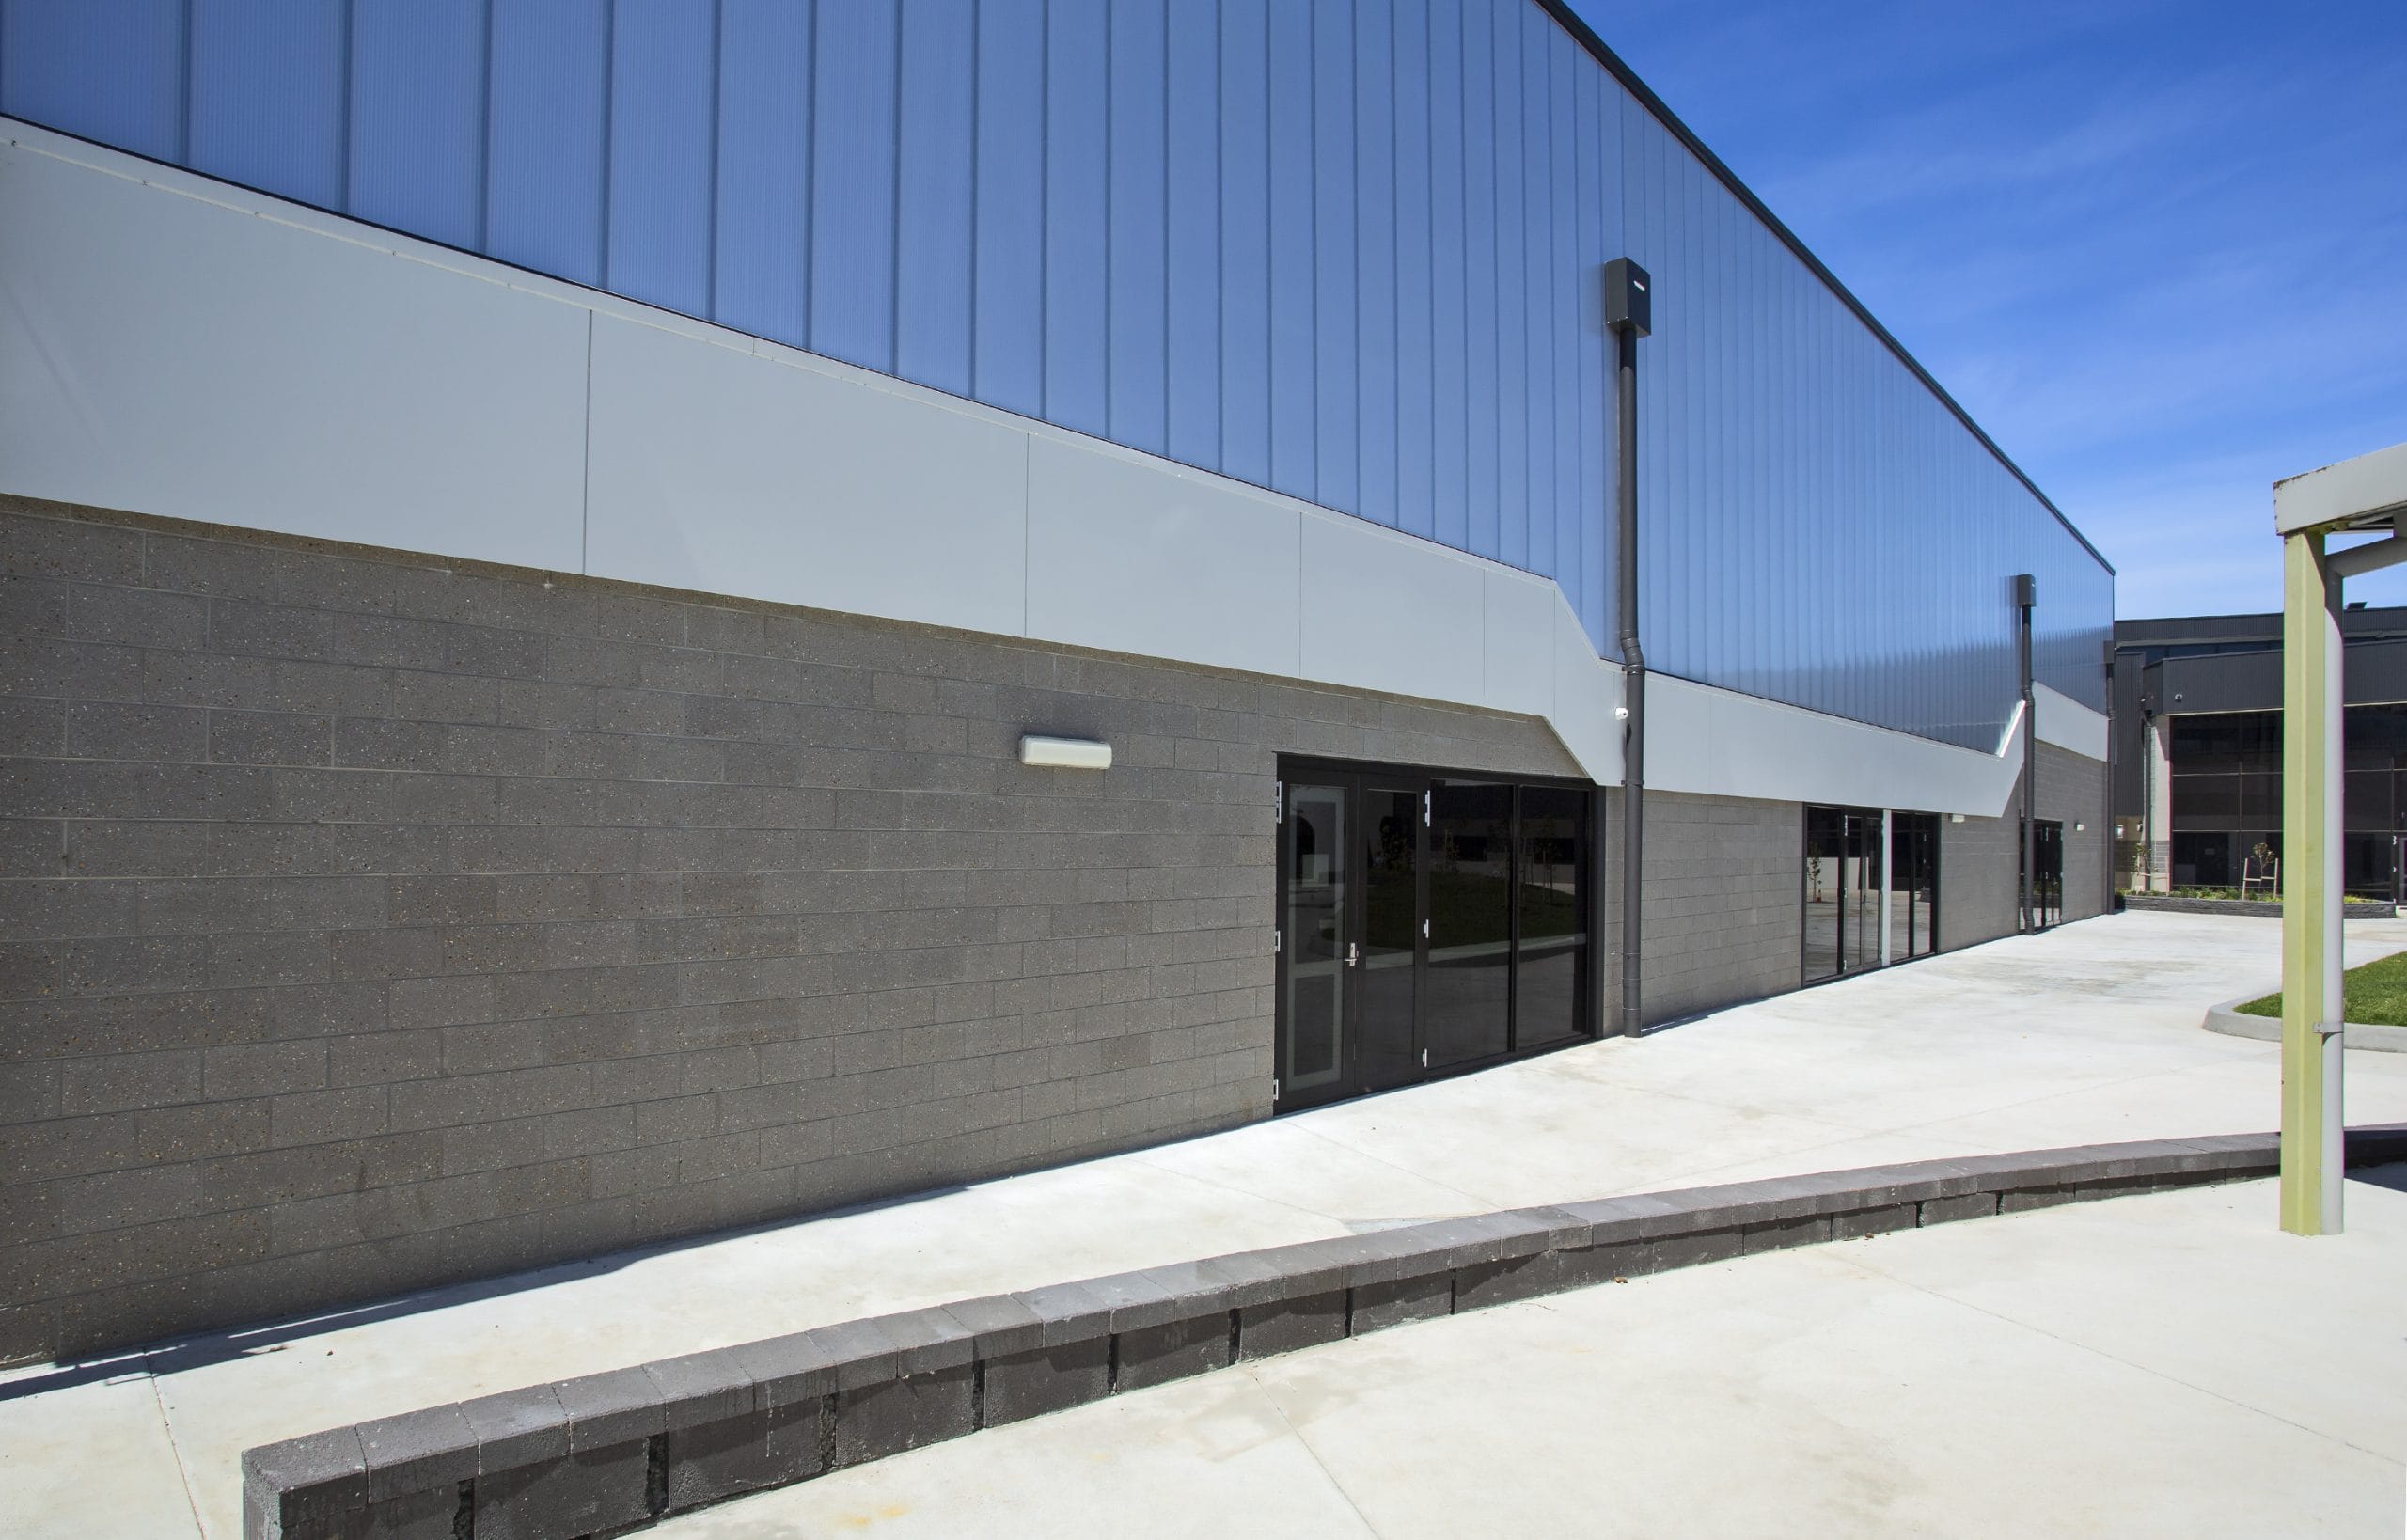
point(2377, 995)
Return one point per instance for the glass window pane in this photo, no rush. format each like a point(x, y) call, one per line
point(1825, 846)
point(1314, 939)
point(1391, 935)
point(1553, 923)
point(1470, 920)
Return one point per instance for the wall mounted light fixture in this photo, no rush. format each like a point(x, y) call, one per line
point(1065, 753)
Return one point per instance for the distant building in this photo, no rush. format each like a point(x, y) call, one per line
point(2198, 749)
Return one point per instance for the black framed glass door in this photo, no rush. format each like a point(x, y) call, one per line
point(1426, 923)
point(2047, 845)
point(1870, 889)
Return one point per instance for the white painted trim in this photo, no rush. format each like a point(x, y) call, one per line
point(180, 347)
point(2070, 724)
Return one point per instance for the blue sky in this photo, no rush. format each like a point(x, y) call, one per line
point(2158, 248)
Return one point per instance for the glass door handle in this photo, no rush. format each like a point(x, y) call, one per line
point(1353, 954)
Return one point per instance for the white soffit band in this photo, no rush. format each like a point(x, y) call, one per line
point(181, 347)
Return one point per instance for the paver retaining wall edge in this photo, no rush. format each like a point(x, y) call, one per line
point(602, 1454)
point(2228, 1019)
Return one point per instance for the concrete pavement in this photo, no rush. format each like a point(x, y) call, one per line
point(2087, 1034)
point(2132, 1367)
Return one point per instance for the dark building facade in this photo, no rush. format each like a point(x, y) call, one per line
point(2198, 750)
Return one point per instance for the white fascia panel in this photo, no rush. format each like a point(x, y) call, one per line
point(718, 470)
point(167, 354)
point(1140, 557)
point(2061, 720)
point(1387, 611)
point(1522, 614)
point(1721, 743)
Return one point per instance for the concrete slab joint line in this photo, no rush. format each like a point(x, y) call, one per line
point(622, 1449)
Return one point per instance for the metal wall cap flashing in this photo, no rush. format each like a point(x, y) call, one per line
point(309, 1481)
point(859, 1353)
point(998, 1325)
point(1070, 1312)
point(788, 1370)
point(928, 1340)
point(417, 1451)
point(699, 1388)
point(517, 1427)
point(616, 1406)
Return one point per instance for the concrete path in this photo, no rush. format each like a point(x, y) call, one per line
point(2169, 1365)
point(2087, 1034)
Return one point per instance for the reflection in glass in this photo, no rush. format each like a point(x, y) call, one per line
point(1825, 848)
point(1471, 920)
point(1860, 871)
point(1553, 916)
point(1390, 926)
point(1313, 937)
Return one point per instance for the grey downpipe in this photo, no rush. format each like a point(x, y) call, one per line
point(1633, 753)
point(2025, 595)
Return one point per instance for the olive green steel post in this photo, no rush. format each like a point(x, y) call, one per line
point(2312, 967)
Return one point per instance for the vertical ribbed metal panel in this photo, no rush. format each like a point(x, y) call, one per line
point(1347, 249)
point(417, 116)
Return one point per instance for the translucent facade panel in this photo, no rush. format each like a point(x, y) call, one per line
point(1347, 250)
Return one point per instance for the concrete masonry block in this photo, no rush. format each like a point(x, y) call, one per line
point(1698, 1249)
point(1189, 1290)
point(1172, 1349)
point(1067, 1312)
point(576, 1494)
point(1778, 1234)
point(1481, 1284)
point(1282, 1325)
point(702, 1388)
point(927, 1341)
point(1971, 1205)
point(437, 1514)
point(859, 1352)
point(1388, 1302)
point(314, 1487)
point(888, 1417)
point(1874, 1222)
point(517, 1428)
point(2023, 1199)
point(1045, 1379)
point(708, 1461)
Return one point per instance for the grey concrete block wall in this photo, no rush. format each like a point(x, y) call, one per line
point(368, 922)
point(1979, 863)
point(1723, 916)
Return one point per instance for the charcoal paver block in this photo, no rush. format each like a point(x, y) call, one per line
point(1282, 1325)
point(887, 1417)
point(1874, 1222)
point(1250, 1278)
point(1971, 1205)
point(859, 1352)
point(417, 1451)
point(928, 1340)
point(998, 1325)
point(1698, 1248)
point(1778, 1234)
point(1636, 1217)
point(698, 1389)
point(576, 1494)
point(615, 1407)
point(2023, 1199)
point(1190, 1289)
point(1132, 1300)
point(789, 1369)
point(1587, 1265)
point(1067, 1312)
point(1047, 1379)
point(1395, 1301)
point(1174, 1349)
point(307, 1488)
point(517, 1428)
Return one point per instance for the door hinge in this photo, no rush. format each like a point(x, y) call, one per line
point(1424, 927)
point(1279, 802)
point(1274, 1088)
point(1424, 810)
point(1425, 1059)
point(1276, 936)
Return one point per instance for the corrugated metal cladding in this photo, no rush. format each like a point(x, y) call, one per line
point(1345, 249)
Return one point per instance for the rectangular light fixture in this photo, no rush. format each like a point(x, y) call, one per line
point(1065, 753)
